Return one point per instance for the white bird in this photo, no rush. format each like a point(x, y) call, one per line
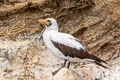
point(65, 46)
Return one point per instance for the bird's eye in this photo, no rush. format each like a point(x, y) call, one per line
point(49, 22)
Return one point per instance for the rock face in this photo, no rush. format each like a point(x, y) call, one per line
point(23, 55)
point(65, 74)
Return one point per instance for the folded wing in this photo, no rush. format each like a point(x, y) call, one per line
point(72, 47)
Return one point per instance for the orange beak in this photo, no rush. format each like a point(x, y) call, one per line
point(43, 21)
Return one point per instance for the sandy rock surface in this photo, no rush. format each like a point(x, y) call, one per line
point(23, 56)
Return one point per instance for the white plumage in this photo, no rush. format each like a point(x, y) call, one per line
point(51, 34)
point(62, 38)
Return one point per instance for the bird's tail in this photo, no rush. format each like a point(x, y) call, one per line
point(100, 64)
point(98, 61)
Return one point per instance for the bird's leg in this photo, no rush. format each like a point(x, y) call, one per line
point(60, 68)
point(64, 63)
point(68, 65)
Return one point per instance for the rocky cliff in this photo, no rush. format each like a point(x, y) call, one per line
point(23, 55)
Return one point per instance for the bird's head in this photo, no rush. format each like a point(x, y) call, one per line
point(49, 23)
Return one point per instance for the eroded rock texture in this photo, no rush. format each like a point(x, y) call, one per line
point(23, 55)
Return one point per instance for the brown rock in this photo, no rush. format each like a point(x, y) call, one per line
point(66, 74)
point(22, 56)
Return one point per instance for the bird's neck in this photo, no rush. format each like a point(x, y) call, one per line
point(51, 29)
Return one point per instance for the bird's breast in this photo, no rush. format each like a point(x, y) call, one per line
point(50, 46)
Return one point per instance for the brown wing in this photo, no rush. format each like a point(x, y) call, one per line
point(69, 51)
point(73, 52)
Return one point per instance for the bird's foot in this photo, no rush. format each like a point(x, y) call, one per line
point(53, 73)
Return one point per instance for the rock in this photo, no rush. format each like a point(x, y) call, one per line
point(23, 55)
point(66, 74)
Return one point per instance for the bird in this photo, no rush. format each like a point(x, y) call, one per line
point(65, 46)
